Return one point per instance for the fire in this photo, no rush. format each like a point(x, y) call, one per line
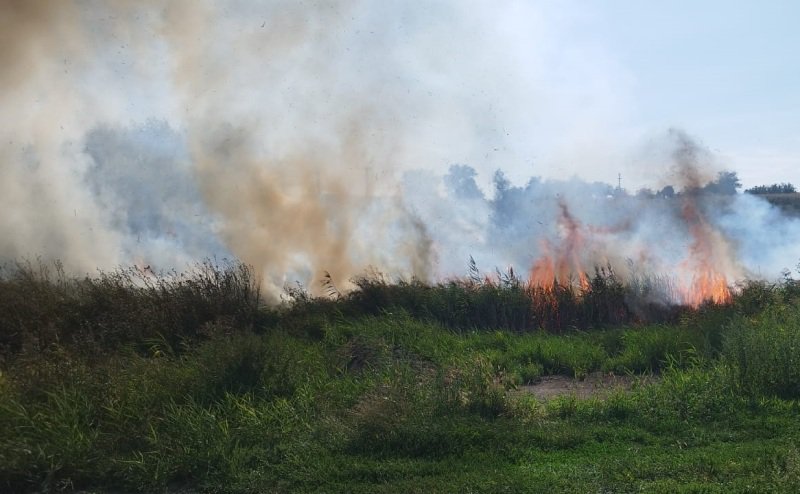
point(702, 276)
point(707, 254)
point(561, 266)
point(549, 269)
point(708, 286)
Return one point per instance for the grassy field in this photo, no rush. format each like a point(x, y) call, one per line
point(127, 383)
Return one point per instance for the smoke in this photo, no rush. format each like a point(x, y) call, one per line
point(692, 245)
point(304, 137)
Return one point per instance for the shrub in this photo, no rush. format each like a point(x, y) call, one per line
point(546, 354)
point(763, 352)
point(52, 442)
point(504, 302)
point(476, 385)
point(691, 394)
point(649, 349)
point(40, 306)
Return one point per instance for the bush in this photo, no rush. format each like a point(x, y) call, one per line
point(650, 349)
point(693, 394)
point(763, 352)
point(40, 306)
point(53, 441)
point(505, 302)
point(562, 355)
point(476, 385)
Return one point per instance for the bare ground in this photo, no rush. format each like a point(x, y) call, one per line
point(595, 385)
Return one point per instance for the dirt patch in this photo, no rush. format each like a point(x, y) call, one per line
point(596, 385)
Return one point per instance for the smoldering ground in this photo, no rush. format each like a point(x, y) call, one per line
point(287, 135)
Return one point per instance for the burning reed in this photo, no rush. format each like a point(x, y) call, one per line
point(505, 301)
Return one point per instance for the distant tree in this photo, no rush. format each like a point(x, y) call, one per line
point(645, 193)
point(507, 199)
point(460, 179)
point(727, 183)
point(784, 188)
point(667, 192)
point(501, 183)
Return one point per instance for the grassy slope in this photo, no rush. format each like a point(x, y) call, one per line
point(389, 403)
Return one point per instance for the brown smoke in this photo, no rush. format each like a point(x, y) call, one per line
point(294, 121)
point(293, 207)
point(45, 209)
point(284, 198)
point(33, 32)
point(691, 162)
point(710, 265)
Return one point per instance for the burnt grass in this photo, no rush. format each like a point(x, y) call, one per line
point(128, 382)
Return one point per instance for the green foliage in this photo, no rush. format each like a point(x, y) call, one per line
point(52, 443)
point(507, 302)
point(528, 356)
point(545, 355)
point(763, 352)
point(782, 188)
point(40, 306)
point(381, 392)
point(649, 349)
point(695, 394)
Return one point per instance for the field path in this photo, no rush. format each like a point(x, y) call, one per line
point(595, 385)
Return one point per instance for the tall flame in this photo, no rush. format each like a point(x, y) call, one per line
point(707, 253)
point(563, 262)
point(702, 276)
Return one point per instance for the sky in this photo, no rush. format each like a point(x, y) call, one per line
point(726, 71)
point(582, 88)
point(537, 88)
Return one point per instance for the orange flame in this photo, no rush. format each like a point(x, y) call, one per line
point(566, 263)
point(706, 253)
point(706, 287)
point(701, 276)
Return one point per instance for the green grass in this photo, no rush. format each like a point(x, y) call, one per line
point(763, 352)
point(314, 397)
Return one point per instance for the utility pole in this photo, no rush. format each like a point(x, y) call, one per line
point(619, 181)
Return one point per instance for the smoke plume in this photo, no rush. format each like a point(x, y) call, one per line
point(312, 137)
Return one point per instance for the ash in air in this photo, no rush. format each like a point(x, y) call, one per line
point(700, 240)
point(303, 138)
point(698, 232)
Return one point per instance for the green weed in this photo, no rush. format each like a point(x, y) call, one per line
point(763, 352)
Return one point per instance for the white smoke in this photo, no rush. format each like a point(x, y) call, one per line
point(291, 135)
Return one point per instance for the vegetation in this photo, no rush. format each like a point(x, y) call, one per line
point(727, 183)
point(782, 196)
point(128, 382)
point(783, 188)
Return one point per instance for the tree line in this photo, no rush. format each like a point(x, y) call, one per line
point(726, 183)
point(783, 188)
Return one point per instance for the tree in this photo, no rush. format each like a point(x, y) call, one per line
point(667, 192)
point(460, 179)
point(727, 183)
point(784, 188)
